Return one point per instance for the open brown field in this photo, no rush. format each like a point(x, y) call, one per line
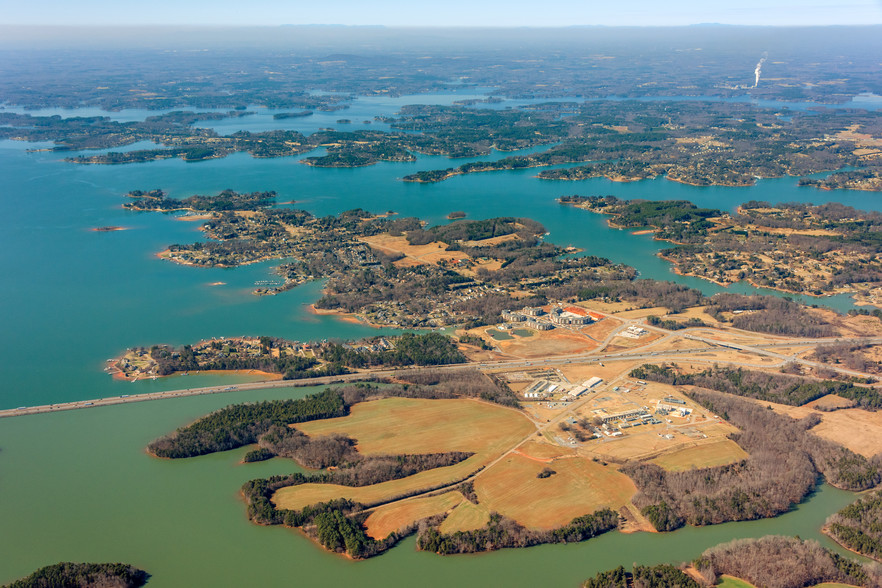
point(608, 307)
point(856, 429)
point(830, 401)
point(429, 253)
point(465, 517)
point(413, 425)
point(625, 343)
point(601, 329)
point(390, 518)
point(641, 312)
point(491, 241)
point(850, 326)
point(580, 486)
point(676, 343)
point(705, 455)
point(694, 312)
point(407, 425)
point(545, 343)
point(298, 497)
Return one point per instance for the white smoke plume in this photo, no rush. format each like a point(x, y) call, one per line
point(759, 70)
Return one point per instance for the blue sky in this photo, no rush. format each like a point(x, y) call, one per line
point(440, 13)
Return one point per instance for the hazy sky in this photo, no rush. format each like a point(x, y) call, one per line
point(441, 13)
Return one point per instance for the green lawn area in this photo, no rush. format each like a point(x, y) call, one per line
point(499, 335)
point(730, 582)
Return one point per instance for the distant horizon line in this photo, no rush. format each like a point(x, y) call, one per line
point(417, 26)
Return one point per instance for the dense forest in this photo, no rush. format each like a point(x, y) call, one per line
point(289, 358)
point(784, 562)
point(675, 220)
point(659, 576)
point(410, 349)
point(225, 200)
point(84, 575)
point(858, 526)
point(768, 314)
point(242, 424)
point(501, 532)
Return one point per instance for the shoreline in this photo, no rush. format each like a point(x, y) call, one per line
point(346, 317)
point(166, 254)
point(267, 376)
point(825, 530)
point(676, 270)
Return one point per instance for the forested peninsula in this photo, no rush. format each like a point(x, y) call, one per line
point(84, 575)
point(799, 248)
point(697, 143)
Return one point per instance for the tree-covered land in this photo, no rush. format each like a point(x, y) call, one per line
point(768, 314)
point(697, 143)
point(501, 532)
point(242, 424)
point(805, 64)
point(84, 575)
point(483, 266)
point(765, 386)
point(225, 200)
point(858, 526)
point(803, 248)
point(784, 465)
point(784, 562)
point(292, 359)
point(659, 576)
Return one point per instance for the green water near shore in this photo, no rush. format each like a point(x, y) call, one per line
point(77, 486)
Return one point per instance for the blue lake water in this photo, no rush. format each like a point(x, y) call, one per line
point(77, 486)
point(80, 297)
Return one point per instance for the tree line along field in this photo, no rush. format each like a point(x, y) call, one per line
point(428, 455)
point(404, 425)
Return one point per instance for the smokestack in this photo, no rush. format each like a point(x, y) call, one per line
point(759, 70)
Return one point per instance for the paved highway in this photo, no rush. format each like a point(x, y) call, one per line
point(708, 344)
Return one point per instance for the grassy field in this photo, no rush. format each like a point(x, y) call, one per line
point(392, 517)
point(856, 429)
point(406, 425)
point(466, 517)
point(706, 455)
point(579, 487)
point(410, 425)
point(499, 335)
